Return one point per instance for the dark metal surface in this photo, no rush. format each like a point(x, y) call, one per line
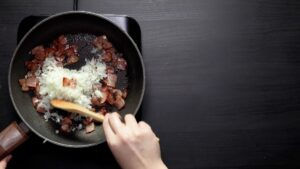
point(74, 23)
point(126, 23)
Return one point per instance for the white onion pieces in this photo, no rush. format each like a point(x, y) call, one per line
point(51, 82)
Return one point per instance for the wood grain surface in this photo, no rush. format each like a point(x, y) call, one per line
point(223, 86)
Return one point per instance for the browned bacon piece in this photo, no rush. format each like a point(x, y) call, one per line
point(23, 85)
point(39, 52)
point(31, 81)
point(90, 127)
point(112, 80)
point(66, 125)
point(121, 64)
point(69, 82)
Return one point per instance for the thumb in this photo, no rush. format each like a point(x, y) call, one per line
point(4, 161)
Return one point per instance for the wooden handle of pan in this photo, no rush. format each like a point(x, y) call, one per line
point(11, 137)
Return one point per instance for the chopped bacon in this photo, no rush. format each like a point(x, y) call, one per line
point(111, 79)
point(66, 125)
point(112, 50)
point(67, 120)
point(72, 59)
point(65, 128)
point(121, 64)
point(31, 82)
point(117, 93)
point(62, 40)
point(59, 53)
point(110, 69)
point(119, 103)
point(23, 85)
point(107, 57)
point(96, 101)
point(102, 42)
point(70, 51)
point(105, 92)
point(60, 59)
point(90, 128)
point(22, 82)
point(116, 98)
point(106, 45)
point(66, 82)
point(37, 90)
point(98, 42)
point(104, 96)
point(110, 99)
point(124, 93)
point(97, 86)
point(39, 52)
point(38, 49)
point(32, 65)
point(35, 101)
point(104, 81)
point(102, 111)
point(69, 82)
point(40, 109)
point(114, 60)
point(49, 52)
point(104, 89)
point(87, 121)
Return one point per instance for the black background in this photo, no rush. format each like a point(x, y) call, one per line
point(223, 86)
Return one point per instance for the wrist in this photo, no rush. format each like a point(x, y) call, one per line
point(158, 165)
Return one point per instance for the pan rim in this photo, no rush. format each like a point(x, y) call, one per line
point(40, 23)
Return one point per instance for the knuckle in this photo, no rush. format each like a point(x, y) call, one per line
point(128, 116)
point(142, 134)
point(144, 125)
point(113, 143)
point(138, 134)
point(125, 138)
point(115, 114)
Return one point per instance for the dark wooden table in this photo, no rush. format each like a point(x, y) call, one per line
point(223, 82)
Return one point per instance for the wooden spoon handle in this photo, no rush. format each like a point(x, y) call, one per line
point(75, 108)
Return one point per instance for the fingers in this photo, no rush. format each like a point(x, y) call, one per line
point(114, 127)
point(109, 133)
point(144, 125)
point(115, 123)
point(130, 121)
point(3, 162)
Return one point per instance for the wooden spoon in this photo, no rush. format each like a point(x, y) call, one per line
point(75, 108)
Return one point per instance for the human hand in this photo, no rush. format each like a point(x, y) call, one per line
point(4, 161)
point(133, 144)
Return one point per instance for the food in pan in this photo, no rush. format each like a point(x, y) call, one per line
point(93, 86)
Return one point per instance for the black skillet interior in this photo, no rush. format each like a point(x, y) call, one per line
point(45, 33)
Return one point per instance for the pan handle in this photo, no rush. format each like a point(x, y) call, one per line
point(11, 137)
